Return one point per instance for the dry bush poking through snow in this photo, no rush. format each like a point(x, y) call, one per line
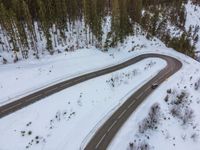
point(195, 137)
point(118, 79)
point(179, 107)
point(187, 115)
point(150, 65)
point(197, 85)
point(176, 111)
point(151, 120)
point(139, 146)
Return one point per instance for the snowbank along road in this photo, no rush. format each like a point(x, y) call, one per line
point(105, 134)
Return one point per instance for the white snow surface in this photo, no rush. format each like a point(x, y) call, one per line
point(193, 20)
point(171, 133)
point(64, 120)
point(32, 75)
point(77, 108)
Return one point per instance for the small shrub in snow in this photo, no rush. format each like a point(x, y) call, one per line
point(187, 116)
point(197, 85)
point(176, 111)
point(79, 101)
point(178, 99)
point(134, 72)
point(28, 124)
point(181, 98)
point(169, 91)
point(183, 113)
point(150, 65)
point(29, 132)
point(58, 116)
point(23, 133)
point(131, 146)
point(151, 120)
point(5, 61)
point(195, 137)
point(121, 78)
point(166, 98)
point(179, 107)
point(15, 59)
point(139, 146)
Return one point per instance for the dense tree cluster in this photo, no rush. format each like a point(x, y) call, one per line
point(20, 21)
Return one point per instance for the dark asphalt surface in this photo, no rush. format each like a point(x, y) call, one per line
point(106, 133)
point(103, 137)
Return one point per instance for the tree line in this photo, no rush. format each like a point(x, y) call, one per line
point(23, 21)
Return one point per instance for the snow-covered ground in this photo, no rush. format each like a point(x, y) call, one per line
point(193, 12)
point(193, 22)
point(171, 131)
point(63, 120)
point(31, 75)
point(69, 118)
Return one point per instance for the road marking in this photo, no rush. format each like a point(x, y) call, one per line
point(77, 80)
point(122, 114)
point(146, 89)
point(159, 79)
point(64, 85)
point(105, 134)
point(129, 106)
point(132, 103)
point(111, 126)
point(100, 141)
point(11, 107)
point(32, 98)
point(50, 90)
point(138, 97)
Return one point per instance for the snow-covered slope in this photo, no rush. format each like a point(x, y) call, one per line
point(172, 131)
point(32, 75)
point(68, 119)
point(63, 120)
point(193, 22)
point(193, 18)
point(29, 76)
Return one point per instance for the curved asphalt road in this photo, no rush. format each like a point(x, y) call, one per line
point(103, 137)
point(105, 134)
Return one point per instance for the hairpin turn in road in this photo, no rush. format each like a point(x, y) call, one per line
point(108, 130)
